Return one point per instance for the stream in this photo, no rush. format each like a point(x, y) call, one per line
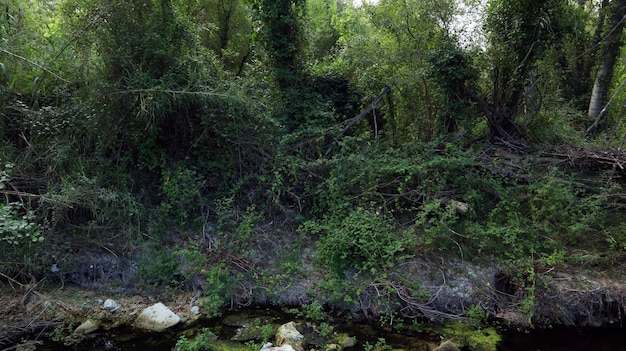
point(563, 339)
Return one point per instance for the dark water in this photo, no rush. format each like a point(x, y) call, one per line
point(605, 339)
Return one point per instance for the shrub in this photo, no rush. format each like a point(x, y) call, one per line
point(20, 232)
point(536, 220)
point(234, 225)
point(18, 229)
point(157, 267)
point(201, 342)
point(218, 296)
point(365, 240)
point(181, 194)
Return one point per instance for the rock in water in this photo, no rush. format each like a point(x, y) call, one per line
point(288, 335)
point(157, 318)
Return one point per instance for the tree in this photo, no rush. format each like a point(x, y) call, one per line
point(519, 34)
point(568, 63)
point(610, 49)
point(320, 28)
point(283, 37)
point(390, 44)
point(452, 71)
point(226, 29)
point(31, 52)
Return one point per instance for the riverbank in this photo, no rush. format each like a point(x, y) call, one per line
point(474, 294)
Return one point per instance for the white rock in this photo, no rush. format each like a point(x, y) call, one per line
point(195, 310)
point(277, 348)
point(157, 318)
point(110, 305)
point(288, 335)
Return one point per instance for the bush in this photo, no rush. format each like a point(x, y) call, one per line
point(234, 225)
point(18, 229)
point(157, 267)
point(218, 296)
point(20, 232)
point(201, 342)
point(365, 240)
point(181, 194)
point(540, 220)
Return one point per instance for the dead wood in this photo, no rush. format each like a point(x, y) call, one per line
point(515, 163)
point(592, 159)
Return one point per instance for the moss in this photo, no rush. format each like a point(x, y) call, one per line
point(464, 335)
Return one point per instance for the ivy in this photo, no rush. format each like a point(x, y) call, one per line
point(18, 229)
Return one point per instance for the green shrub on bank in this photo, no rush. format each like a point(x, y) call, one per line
point(365, 240)
point(181, 194)
point(200, 342)
point(234, 225)
point(220, 290)
point(20, 233)
point(540, 220)
point(157, 267)
point(188, 267)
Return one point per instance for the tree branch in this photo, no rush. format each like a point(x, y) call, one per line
point(353, 120)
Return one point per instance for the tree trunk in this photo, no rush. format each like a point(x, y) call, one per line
point(609, 54)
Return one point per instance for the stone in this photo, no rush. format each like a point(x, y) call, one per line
point(447, 346)
point(195, 310)
point(157, 318)
point(87, 327)
point(110, 305)
point(55, 268)
point(269, 347)
point(288, 335)
point(346, 341)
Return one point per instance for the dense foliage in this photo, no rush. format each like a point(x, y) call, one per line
point(199, 124)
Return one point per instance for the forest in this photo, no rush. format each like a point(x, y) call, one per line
point(240, 143)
